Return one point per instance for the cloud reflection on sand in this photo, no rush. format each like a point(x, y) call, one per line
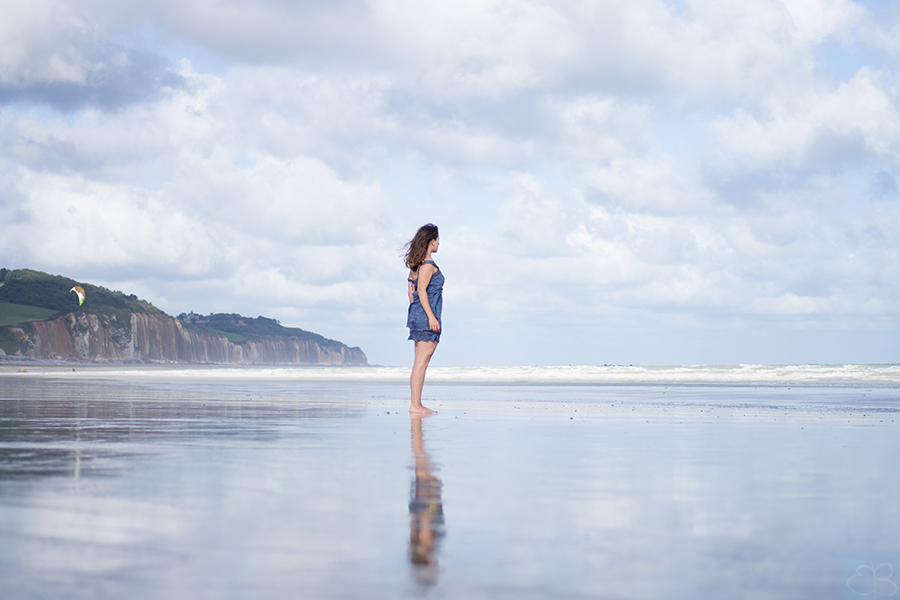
point(267, 487)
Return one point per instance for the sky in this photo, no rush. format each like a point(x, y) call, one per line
point(619, 182)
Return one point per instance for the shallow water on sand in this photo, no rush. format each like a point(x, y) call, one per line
point(255, 488)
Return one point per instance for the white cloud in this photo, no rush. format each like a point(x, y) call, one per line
point(44, 41)
point(485, 48)
point(286, 184)
point(655, 183)
point(58, 53)
point(821, 128)
point(817, 20)
point(94, 223)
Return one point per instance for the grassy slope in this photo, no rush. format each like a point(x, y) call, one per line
point(52, 292)
point(237, 329)
point(12, 314)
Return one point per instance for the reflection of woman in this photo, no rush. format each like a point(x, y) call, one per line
point(425, 285)
point(426, 511)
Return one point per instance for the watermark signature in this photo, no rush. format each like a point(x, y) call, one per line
point(873, 581)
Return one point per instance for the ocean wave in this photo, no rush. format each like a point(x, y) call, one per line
point(696, 374)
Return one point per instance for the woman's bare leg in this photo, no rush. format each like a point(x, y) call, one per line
point(424, 350)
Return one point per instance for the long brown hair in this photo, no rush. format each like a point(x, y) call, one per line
point(417, 248)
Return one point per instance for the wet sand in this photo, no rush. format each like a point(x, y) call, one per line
point(202, 487)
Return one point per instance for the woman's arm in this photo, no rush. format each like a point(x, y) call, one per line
point(409, 286)
point(425, 273)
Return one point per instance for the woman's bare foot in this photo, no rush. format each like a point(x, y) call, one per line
point(421, 410)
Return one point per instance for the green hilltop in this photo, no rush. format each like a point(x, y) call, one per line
point(239, 329)
point(24, 289)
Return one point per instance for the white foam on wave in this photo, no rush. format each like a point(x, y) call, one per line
point(768, 374)
point(728, 374)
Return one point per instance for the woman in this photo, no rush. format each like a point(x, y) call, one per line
point(425, 285)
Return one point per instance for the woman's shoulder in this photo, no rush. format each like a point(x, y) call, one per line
point(430, 263)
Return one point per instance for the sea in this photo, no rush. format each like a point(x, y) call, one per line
point(166, 481)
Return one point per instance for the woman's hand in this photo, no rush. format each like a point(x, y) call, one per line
point(434, 324)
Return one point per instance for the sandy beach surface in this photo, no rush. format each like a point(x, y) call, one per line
point(165, 482)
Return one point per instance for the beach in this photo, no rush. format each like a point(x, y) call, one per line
point(532, 482)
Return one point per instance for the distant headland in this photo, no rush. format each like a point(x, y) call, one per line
point(41, 318)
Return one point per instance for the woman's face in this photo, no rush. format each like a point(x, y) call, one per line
point(435, 244)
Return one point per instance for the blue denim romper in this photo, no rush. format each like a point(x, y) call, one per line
point(416, 319)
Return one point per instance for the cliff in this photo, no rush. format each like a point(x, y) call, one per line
point(123, 328)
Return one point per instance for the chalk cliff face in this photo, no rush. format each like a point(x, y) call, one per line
point(161, 338)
